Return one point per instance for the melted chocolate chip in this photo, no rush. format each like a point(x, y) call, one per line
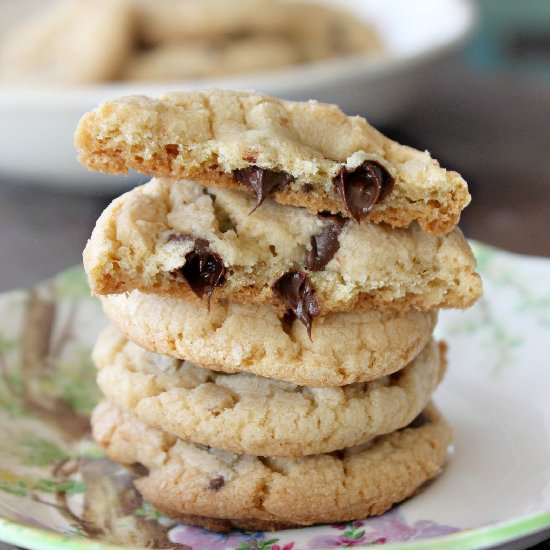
point(203, 269)
point(362, 187)
point(216, 484)
point(287, 321)
point(297, 293)
point(324, 245)
point(421, 420)
point(262, 181)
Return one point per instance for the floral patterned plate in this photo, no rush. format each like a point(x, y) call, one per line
point(58, 492)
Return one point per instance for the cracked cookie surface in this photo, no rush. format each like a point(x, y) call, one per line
point(344, 348)
point(328, 162)
point(143, 239)
point(249, 414)
point(250, 492)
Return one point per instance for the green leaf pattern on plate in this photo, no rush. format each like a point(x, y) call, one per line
point(492, 324)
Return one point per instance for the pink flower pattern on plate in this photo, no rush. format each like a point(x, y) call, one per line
point(391, 527)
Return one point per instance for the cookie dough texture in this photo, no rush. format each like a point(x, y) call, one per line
point(72, 42)
point(345, 347)
point(249, 414)
point(256, 493)
point(376, 266)
point(206, 135)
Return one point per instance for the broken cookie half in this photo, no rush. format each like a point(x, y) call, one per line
point(180, 239)
point(305, 154)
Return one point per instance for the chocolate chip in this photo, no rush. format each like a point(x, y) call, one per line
point(324, 245)
point(139, 470)
point(203, 269)
point(421, 420)
point(362, 187)
point(297, 293)
point(307, 187)
point(262, 181)
point(216, 484)
point(287, 321)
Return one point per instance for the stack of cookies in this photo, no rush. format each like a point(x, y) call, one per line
point(273, 293)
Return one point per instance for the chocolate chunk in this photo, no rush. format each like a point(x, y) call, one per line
point(297, 293)
point(216, 484)
point(324, 245)
point(362, 187)
point(307, 187)
point(203, 269)
point(262, 181)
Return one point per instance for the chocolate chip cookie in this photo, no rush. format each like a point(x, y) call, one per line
point(201, 59)
point(71, 42)
point(220, 490)
point(344, 347)
point(306, 154)
point(314, 31)
point(177, 238)
point(250, 414)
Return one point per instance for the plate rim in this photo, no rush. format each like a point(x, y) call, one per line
point(34, 538)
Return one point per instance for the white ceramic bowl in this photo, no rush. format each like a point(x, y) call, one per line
point(36, 141)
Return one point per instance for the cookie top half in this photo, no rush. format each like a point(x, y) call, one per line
point(305, 154)
point(274, 492)
point(249, 414)
point(180, 239)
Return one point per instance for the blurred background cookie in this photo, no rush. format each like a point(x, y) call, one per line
point(74, 41)
point(172, 20)
point(180, 60)
point(78, 41)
